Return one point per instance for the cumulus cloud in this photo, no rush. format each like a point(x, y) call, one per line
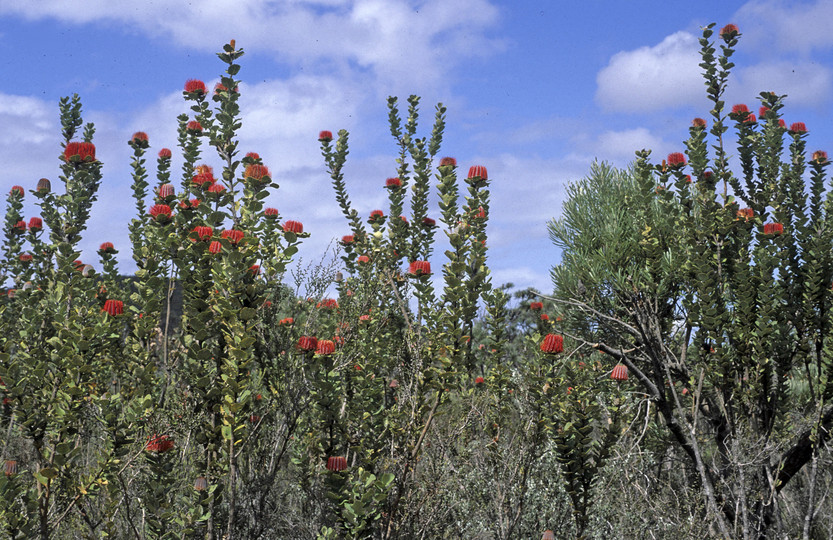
point(652, 78)
point(790, 26)
point(804, 83)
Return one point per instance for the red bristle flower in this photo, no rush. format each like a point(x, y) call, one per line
point(271, 212)
point(159, 444)
point(217, 189)
point(232, 235)
point(11, 293)
point(79, 152)
point(254, 269)
point(19, 227)
point(393, 183)
point(215, 247)
point(448, 162)
point(203, 232)
point(404, 219)
point(165, 153)
point(364, 318)
point(676, 160)
point(10, 468)
point(254, 156)
point(740, 109)
point(203, 179)
point(44, 186)
point(363, 259)
point(478, 172)
point(419, 268)
point(536, 306)
point(781, 123)
point(336, 464)
point(195, 86)
point(113, 307)
point(288, 321)
point(107, 247)
point(16, 191)
point(429, 223)
point(307, 343)
point(295, 227)
point(544, 317)
point(762, 112)
point(698, 123)
point(376, 215)
point(325, 136)
point(78, 265)
point(746, 214)
point(35, 224)
point(347, 239)
point(327, 303)
point(620, 373)
point(481, 213)
point(820, 156)
point(728, 32)
point(258, 173)
point(479, 380)
point(773, 229)
point(25, 257)
point(750, 119)
point(552, 344)
point(166, 191)
point(139, 137)
point(798, 128)
point(548, 535)
point(194, 127)
point(325, 347)
point(160, 212)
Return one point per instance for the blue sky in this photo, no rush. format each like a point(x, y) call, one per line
point(535, 92)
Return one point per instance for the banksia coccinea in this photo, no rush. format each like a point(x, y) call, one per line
point(619, 373)
point(232, 235)
point(10, 468)
point(257, 173)
point(203, 232)
point(25, 257)
point(215, 247)
point(448, 162)
point(166, 192)
point(307, 343)
point(325, 346)
point(159, 444)
point(216, 189)
point(19, 227)
point(698, 123)
point(479, 380)
point(773, 228)
point(536, 306)
point(478, 175)
point(79, 152)
point(347, 240)
point(113, 307)
point(746, 214)
point(16, 191)
point(363, 259)
point(160, 213)
point(376, 215)
point(35, 224)
point(552, 344)
point(140, 139)
point(295, 227)
point(419, 268)
point(820, 157)
point(193, 127)
point(728, 32)
point(336, 464)
point(328, 303)
point(325, 136)
point(548, 535)
point(200, 484)
point(165, 153)
point(195, 88)
point(676, 160)
point(393, 183)
point(271, 213)
point(107, 247)
point(429, 223)
point(798, 128)
point(44, 186)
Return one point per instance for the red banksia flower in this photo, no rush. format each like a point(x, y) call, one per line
point(552, 344)
point(728, 32)
point(113, 307)
point(139, 138)
point(325, 347)
point(107, 247)
point(289, 321)
point(25, 257)
point(429, 223)
point(166, 191)
point(165, 153)
point(448, 162)
point(254, 269)
point(620, 373)
point(798, 128)
point(215, 247)
point(327, 303)
point(376, 215)
point(698, 123)
point(307, 343)
point(419, 268)
point(232, 235)
point(194, 127)
point(203, 232)
point(536, 306)
point(746, 214)
point(479, 380)
point(10, 468)
point(16, 191)
point(740, 109)
point(676, 160)
point(44, 185)
point(159, 444)
point(477, 174)
point(35, 224)
point(160, 212)
point(259, 173)
point(336, 464)
point(19, 227)
point(295, 227)
point(363, 259)
point(393, 183)
point(545, 317)
point(203, 179)
point(773, 228)
point(271, 212)
point(325, 136)
point(254, 156)
point(195, 86)
point(820, 156)
point(11, 293)
point(548, 535)
point(347, 239)
point(217, 189)
point(78, 152)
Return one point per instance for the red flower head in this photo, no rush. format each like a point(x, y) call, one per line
point(325, 136)
point(308, 343)
point(429, 223)
point(140, 139)
point(548, 535)
point(820, 157)
point(620, 373)
point(327, 303)
point(16, 191)
point(336, 464)
point(773, 229)
point(10, 468)
point(271, 213)
point(552, 344)
point(160, 213)
point(25, 257)
point(698, 123)
point(347, 239)
point(798, 128)
point(763, 111)
point(481, 213)
point(11, 293)
point(194, 127)
point(113, 307)
point(325, 347)
point(79, 152)
point(203, 232)
point(159, 444)
point(393, 183)
point(393, 384)
point(35, 224)
point(740, 109)
point(363, 259)
point(232, 235)
point(19, 227)
point(204, 179)
point(166, 191)
point(544, 317)
point(254, 269)
point(404, 219)
point(750, 119)
point(165, 153)
point(448, 162)
point(781, 123)
point(107, 247)
point(676, 160)
point(479, 380)
point(200, 484)
point(289, 321)
point(44, 186)
point(728, 32)
point(217, 189)
point(419, 268)
point(536, 306)
point(78, 265)
point(215, 247)
point(746, 214)
point(295, 227)
point(477, 175)
point(254, 156)
point(376, 215)
point(258, 173)
point(195, 87)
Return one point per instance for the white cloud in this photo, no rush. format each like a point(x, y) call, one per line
point(652, 78)
point(804, 83)
point(788, 25)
